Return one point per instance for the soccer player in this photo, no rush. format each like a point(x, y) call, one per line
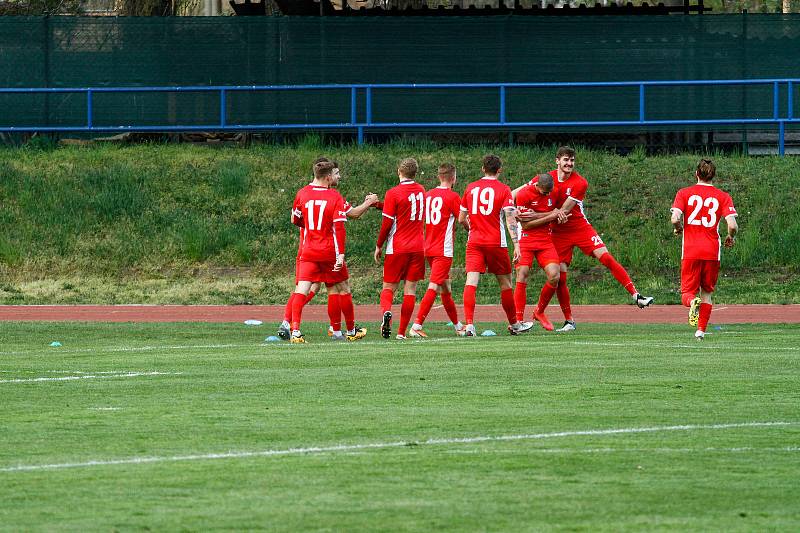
point(484, 206)
point(322, 211)
point(569, 192)
point(401, 231)
point(343, 301)
point(696, 213)
point(340, 299)
point(442, 206)
point(536, 213)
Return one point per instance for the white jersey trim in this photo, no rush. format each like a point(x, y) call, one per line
point(448, 237)
point(388, 216)
point(390, 239)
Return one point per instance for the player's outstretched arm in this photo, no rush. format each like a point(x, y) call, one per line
point(359, 210)
point(541, 219)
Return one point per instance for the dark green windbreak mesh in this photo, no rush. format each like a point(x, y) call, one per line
point(109, 52)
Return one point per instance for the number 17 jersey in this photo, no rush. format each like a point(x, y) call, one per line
point(703, 206)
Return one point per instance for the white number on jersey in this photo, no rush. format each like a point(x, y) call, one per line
point(310, 209)
point(486, 198)
point(596, 240)
point(417, 209)
point(433, 213)
point(697, 203)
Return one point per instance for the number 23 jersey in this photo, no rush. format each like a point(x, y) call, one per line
point(703, 206)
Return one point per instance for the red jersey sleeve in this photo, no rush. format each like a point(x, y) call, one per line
point(726, 206)
point(465, 200)
point(680, 201)
point(389, 206)
point(508, 199)
point(297, 213)
point(455, 204)
point(578, 192)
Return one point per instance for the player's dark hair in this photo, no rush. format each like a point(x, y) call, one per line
point(545, 181)
point(706, 170)
point(447, 170)
point(564, 151)
point(321, 159)
point(491, 164)
point(408, 168)
point(323, 169)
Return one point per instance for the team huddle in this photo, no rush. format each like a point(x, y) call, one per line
point(544, 219)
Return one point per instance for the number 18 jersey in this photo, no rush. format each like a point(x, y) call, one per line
point(484, 201)
point(703, 206)
point(441, 211)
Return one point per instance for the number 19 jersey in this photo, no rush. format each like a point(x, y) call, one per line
point(404, 204)
point(484, 201)
point(703, 206)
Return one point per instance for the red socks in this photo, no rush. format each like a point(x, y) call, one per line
point(349, 312)
point(562, 291)
point(507, 300)
point(469, 303)
point(387, 295)
point(310, 296)
point(545, 296)
point(449, 307)
point(287, 312)
point(705, 314)
point(425, 305)
point(406, 310)
point(297, 310)
point(335, 312)
point(618, 271)
point(520, 299)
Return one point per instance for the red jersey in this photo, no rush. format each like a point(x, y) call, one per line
point(321, 209)
point(484, 201)
point(529, 197)
point(403, 211)
point(297, 220)
point(441, 211)
point(703, 206)
point(573, 187)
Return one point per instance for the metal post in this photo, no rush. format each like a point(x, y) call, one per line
point(502, 104)
point(790, 102)
point(88, 108)
point(369, 105)
point(641, 102)
point(360, 135)
point(353, 119)
point(781, 140)
point(775, 100)
point(222, 107)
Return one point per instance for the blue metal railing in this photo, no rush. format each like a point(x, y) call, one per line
point(224, 124)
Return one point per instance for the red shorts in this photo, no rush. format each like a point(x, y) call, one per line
point(321, 271)
point(585, 238)
point(408, 266)
point(544, 254)
point(492, 258)
point(440, 268)
point(699, 274)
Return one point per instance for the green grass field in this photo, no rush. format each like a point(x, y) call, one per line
point(126, 428)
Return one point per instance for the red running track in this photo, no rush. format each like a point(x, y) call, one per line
point(617, 314)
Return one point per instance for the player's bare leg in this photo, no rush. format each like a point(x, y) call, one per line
point(552, 271)
point(387, 295)
point(621, 275)
point(515, 326)
point(407, 308)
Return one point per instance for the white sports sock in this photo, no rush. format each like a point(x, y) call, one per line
point(416, 327)
point(458, 326)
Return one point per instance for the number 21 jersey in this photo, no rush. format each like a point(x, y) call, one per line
point(703, 206)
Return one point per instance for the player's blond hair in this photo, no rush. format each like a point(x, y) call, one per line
point(447, 171)
point(706, 170)
point(408, 168)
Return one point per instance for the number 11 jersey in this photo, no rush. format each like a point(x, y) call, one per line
point(703, 206)
point(405, 206)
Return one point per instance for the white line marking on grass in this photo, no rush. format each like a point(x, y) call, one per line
point(310, 450)
point(132, 349)
point(104, 408)
point(92, 376)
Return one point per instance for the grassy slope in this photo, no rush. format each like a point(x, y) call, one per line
point(186, 224)
point(248, 397)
